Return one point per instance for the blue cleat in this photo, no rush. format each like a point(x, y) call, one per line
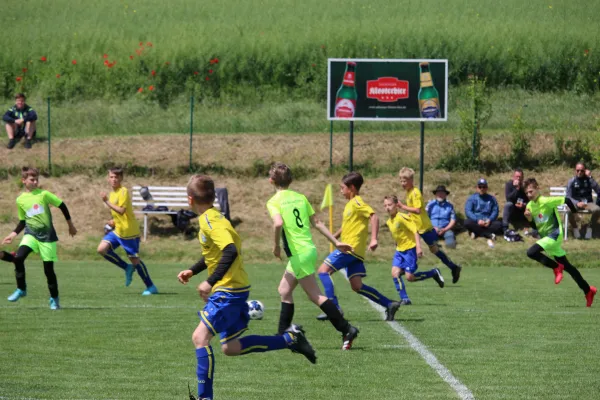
point(151, 290)
point(54, 305)
point(129, 274)
point(17, 294)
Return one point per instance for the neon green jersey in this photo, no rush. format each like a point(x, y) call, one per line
point(544, 213)
point(34, 209)
point(295, 210)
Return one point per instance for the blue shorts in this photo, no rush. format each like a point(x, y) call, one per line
point(406, 260)
point(226, 314)
point(131, 246)
point(430, 237)
point(354, 266)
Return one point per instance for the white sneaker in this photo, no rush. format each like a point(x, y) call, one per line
point(576, 233)
point(490, 243)
point(472, 235)
point(588, 233)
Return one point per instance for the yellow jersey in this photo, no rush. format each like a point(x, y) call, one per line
point(126, 226)
point(355, 225)
point(414, 199)
point(215, 234)
point(403, 230)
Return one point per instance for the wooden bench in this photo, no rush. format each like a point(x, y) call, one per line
point(167, 196)
point(561, 191)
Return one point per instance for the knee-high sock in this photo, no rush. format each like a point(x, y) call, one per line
point(444, 258)
point(285, 317)
point(328, 286)
point(420, 276)
point(535, 253)
point(372, 294)
point(205, 371)
point(51, 278)
point(143, 273)
point(401, 288)
point(335, 316)
point(260, 344)
point(22, 253)
point(6, 256)
point(575, 274)
point(114, 258)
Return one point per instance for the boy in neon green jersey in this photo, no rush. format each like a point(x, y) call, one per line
point(292, 217)
point(542, 211)
point(40, 237)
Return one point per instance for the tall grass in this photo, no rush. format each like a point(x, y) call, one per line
point(271, 49)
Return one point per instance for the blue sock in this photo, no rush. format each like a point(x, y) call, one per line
point(205, 371)
point(143, 273)
point(444, 258)
point(401, 288)
point(424, 275)
point(260, 344)
point(372, 294)
point(328, 286)
point(114, 258)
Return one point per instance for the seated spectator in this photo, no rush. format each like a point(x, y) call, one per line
point(442, 215)
point(516, 200)
point(481, 212)
point(580, 189)
point(20, 121)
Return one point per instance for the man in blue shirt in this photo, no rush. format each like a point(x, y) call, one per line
point(442, 216)
point(481, 210)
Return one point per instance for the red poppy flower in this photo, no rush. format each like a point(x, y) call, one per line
point(112, 64)
point(149, 44)
point(106, 62)
point(207, 78)
point(314, 65)
point(139, 52)
point(151, 88)
point(105, 55)
point(131, 57)
point(586, 52)
point(19, 79)
point(140, 90)
point(74, 62)
point(210, 71)
point(167, 63)
point(24, 70)
point(58, 75)
point(43, 58)
point(153, 73)
point(214, 61)
point(141, 44)
point(196, 72)
point(322, 46)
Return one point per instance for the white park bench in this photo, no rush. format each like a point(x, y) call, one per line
point(561, 191)
point(172, 197)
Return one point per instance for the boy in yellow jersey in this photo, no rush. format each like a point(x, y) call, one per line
point(225, 292)
point(416, 207)
point(126, 232)
point(292, 218)
point(408, 249)
point(358, 215)
point(33, 206)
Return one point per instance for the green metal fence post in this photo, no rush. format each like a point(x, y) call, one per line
point(331, 145)
point(49, 141)
point(191, 127)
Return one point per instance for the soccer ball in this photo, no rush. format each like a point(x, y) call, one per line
point(255, 309)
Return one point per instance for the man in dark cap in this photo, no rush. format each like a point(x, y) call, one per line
point(442, 215)
point(481, 210)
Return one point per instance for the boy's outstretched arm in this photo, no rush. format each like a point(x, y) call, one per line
point(67, 215)
point(20, 226)
point(374, 232)
point(320, 226)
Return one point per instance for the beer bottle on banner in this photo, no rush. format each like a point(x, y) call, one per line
point(345, 98)
point(429, 99)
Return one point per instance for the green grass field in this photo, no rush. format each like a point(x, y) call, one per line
point(504, 333)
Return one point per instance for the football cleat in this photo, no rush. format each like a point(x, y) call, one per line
point(149, 291)
point(129, 274)
point(54, 304)
point(558, 273)
point(17, 294)
point(589, 297)
point(456, 273)
point(438, 278)
point(349, 337)
point(391, 309)
point(405, 302)
point(300, 344)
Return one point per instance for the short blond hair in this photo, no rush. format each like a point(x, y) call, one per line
point(201, 188)
point(407, 173)
point(393, 198)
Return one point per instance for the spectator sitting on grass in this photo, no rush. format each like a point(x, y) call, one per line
point(481, 210)
point(442, 216)
point(20, 121)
